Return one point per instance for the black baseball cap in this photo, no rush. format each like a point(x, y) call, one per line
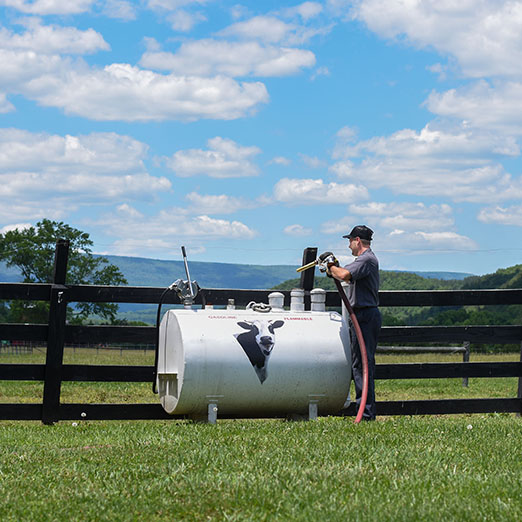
point(361, 231)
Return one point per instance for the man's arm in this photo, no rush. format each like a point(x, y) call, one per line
point(340, 273)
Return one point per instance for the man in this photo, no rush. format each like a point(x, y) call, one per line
point(362, 276)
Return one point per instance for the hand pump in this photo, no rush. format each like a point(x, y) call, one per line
point(186, 294)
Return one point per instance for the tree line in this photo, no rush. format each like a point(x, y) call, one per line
point(507, 278)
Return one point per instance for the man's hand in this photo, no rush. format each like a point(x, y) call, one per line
point(327, 260)
point(324, 255)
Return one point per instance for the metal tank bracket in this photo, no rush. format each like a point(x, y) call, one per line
point(213, 407)
point(313, 405)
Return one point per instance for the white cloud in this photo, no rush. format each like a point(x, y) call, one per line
point(312, 162)
point(406, 216)
point(15, 226)
point(271, 29)
point(456, 163)
point(50, 7)
point(502, 215)
point(43, 175)
point(438, 240)
point(20, 209)
point(35, 53)
point(320, 71)
point(51, 39)
point(484, 36)
point(496, 107)
point(216, 204)
point(308, 10)
point(345, 136)
point(20, 67)
point(127, 93)
point(33, 66)
point(280, 160)
point(482, 39)
point(454, 143)
point(173, 5)
point(95, 153)
point(80, 188)
point(208, 57)
point(184, 21)
point(407, 241)
point(224, 158)
point(5, 105)
point(120, 9)
point(340, 226)
point(264, 28)
point(394, 218)
point(137, 233)
point(297, 231)
point(126, 209)
point(316, 192)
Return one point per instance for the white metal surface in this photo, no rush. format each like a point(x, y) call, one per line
point(203, 360)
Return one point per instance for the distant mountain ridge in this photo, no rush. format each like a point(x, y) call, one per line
point(141, 271)
point(155, 272)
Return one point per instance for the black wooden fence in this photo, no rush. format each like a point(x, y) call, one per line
point(56, 334)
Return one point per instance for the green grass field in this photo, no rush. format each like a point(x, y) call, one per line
point(451, 468)
point(465, 467)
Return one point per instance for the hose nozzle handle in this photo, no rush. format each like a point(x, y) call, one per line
point(306, 267)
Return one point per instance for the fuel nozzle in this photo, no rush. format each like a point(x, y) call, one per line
point(309, 265)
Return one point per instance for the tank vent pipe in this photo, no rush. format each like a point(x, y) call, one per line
point(318, 300)
point(276, 300)
point(297, 300)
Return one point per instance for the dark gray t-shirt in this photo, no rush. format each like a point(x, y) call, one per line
point(363, 288)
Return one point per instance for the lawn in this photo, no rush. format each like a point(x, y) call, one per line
point(463, 467)
point(407, 468)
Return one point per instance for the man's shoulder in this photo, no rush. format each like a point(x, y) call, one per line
point(362, 263)
point(368, 254)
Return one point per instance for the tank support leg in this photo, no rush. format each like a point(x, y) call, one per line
point(312, 410)
point(212, 412)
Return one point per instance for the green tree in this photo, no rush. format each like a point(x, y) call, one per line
point(31, 250)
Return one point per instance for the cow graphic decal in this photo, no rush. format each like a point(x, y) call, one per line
point(258, 342)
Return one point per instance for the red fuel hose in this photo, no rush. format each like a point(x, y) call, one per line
point(362, 346)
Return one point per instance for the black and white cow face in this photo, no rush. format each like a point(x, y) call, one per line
point(258, 343)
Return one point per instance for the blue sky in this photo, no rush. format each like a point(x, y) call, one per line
point(247, 131)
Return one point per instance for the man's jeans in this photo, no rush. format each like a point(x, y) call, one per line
point(370, 322)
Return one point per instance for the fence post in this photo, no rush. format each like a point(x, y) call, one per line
point(307, 276)
point(519, 395)
point(465, 358)
point(55, 336)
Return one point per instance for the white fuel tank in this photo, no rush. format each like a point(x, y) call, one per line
point(251, 363)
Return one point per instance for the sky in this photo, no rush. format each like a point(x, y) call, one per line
point(249, 130)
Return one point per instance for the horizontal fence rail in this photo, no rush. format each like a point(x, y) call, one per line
point(220, 296)
point(111, 373)
point(389, 334)
point(56, 334)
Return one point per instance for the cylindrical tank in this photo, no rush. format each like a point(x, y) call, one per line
point(252, 363)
